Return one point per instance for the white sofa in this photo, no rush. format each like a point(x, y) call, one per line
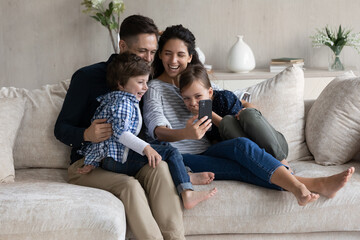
point(36, 202)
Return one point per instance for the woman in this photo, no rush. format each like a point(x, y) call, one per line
point(168, 119)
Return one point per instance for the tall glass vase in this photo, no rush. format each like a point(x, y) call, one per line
point(335, 59)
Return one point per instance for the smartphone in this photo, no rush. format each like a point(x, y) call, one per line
point(205, 109)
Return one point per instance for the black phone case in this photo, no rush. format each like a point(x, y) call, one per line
point(205, 109)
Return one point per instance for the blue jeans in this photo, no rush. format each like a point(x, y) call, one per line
point(236, 159)
point(136, 161)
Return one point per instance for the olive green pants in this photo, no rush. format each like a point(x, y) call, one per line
point(152, 206)
point(253, 125)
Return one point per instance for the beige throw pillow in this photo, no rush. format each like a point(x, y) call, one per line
point(281, 100)
point(333, 123)
point(12, 111)
point(36, 145)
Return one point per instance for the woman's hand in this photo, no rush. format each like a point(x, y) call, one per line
point(197, 130)
point(153, 156)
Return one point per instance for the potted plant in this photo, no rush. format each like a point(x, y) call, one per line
point(108, 17)
point(336, 40)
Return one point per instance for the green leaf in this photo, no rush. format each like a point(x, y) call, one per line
point(96, 18)
point(340, 33)
point(108, 13)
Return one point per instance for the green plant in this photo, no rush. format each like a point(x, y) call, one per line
point(108, 17)
point(336, 40)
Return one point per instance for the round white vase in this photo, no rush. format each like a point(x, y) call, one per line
point(241, 58)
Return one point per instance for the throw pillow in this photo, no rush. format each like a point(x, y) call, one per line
point(333, 123)
point(12, 111)
point(36, 145)
point(281, 100)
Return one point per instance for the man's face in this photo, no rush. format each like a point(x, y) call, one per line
point(145, 46)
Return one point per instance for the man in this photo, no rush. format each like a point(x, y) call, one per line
point(161, 216)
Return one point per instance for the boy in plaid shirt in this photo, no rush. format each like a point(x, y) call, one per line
point(124, 152)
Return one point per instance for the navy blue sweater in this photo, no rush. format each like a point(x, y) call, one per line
point(224, 103)
point(80, 104)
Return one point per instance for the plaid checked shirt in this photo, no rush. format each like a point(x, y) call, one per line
point(121, 110)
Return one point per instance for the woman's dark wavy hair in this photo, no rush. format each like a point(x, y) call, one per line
point(174, 32)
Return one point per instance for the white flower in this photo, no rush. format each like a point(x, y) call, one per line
point(97, 3)
point(118, 6)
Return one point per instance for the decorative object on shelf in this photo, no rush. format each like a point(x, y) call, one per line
point(202, 58)
point(336, 40)
point(108, 17)
point(280, 64)
point(241, 58)
point(201, 55)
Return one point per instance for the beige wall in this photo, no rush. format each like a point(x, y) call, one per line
point(45, 41)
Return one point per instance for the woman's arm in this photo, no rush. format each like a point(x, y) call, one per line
point(191, 131)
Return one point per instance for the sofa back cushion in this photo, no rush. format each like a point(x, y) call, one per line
point(12, 111)
point(333, 122)
point(35, 144)
point(281, 101)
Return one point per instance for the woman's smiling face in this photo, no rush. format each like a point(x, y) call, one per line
point(175, 57)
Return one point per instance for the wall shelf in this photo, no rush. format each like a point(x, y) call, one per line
point(265, 74)
point(316, 79)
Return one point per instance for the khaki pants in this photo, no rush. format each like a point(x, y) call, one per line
point(152, 206)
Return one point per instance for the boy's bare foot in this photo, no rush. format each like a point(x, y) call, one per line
point(304, 196)
point(85, 169)
point(192, 198)
point(329, 186)
point(201, 178)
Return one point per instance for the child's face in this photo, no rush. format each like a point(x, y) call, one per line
point(136, 86)
point(175, 57)
point(193, 94)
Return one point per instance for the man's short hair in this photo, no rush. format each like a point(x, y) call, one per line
point(135, 25)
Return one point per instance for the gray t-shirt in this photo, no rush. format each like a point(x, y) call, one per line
point(163, 106)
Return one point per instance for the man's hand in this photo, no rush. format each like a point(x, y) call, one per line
point(197, 130)
point(98, 131)
point(153, 156)
point(85, 169)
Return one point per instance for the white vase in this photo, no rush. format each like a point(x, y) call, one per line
point(200, 54)
point(241, 58)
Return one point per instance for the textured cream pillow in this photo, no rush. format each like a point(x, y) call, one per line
point(36, 145)
point(333, 123)
point(281, 100)
point(12, 111)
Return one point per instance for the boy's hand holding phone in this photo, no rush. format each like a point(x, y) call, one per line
point(153, 156)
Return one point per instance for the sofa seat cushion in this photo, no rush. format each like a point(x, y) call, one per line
point(243, 208)
point(41, 205)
